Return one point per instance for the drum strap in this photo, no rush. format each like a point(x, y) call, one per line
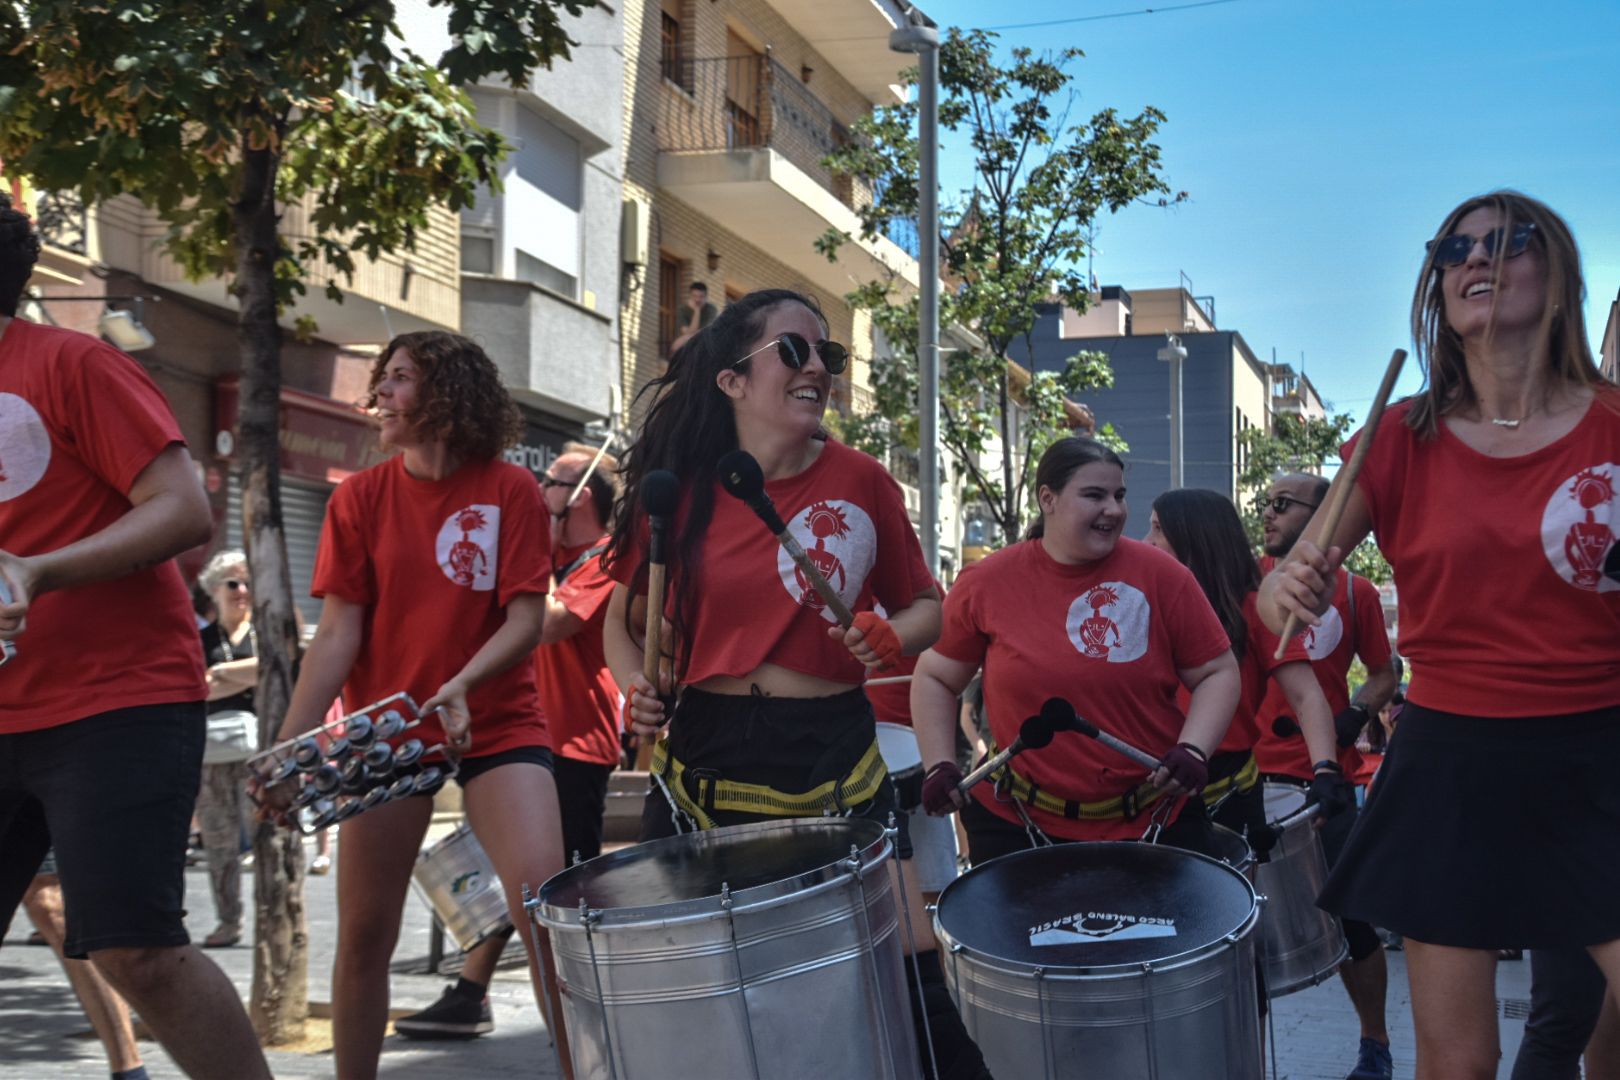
point(1241, 782)
point(1124, 807)
point(703, 793)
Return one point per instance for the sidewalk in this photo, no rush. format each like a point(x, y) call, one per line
point(44, 1036)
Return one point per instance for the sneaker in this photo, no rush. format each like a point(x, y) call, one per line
point(1373, 1062)
point(451, 1017)
point(320, 864)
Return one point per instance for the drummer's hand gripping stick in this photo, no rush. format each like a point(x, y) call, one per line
point(1033, 734)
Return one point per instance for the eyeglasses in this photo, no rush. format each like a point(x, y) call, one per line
point(1453, 250)
point(552, 481)
point(1280, 503)
point(794, 351)
point(234, 585)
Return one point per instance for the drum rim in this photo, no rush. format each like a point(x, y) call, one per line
point(1302, 790)
point(1249, 859)
point(957, 948)
point(872, 854)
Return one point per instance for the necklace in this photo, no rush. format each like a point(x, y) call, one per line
point(1499, 422)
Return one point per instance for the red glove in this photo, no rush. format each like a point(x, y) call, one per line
point(1187, 767)
point(939, 795)
point(879, 636)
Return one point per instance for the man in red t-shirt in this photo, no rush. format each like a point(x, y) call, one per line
point(579, 698)
point(101, 707)
point(1348, 630)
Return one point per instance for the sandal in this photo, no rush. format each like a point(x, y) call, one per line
point(223, 937)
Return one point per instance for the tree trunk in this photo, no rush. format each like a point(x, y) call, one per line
point(1009, 508)
point(280, 1002)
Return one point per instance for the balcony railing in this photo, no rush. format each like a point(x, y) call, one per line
point(742, 102)
point(61, 220)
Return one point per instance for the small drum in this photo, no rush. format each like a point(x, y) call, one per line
point(1235, 852)
point(933, 839)
point(1300, 944)
point(757, 951)
point(1100, 961)
point(457, 882)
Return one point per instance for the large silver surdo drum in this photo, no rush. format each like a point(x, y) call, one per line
point(763, 951)
point(457, 881)
point(1300, 944)
point(1105, 961)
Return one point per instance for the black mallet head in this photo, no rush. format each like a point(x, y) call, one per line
point(1061, 716)
point(742, 478)
point(660, 493)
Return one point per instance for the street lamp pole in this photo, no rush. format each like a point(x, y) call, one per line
point(1175, 354)
point(924, 41)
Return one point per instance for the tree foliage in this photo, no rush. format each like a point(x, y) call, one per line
point(1298, 444)
point(1013, 240)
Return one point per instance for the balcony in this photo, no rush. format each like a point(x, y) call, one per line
point(743, 144)
point(553, 352)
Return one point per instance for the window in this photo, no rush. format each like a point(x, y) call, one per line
point(672, 55)
point(669, 300)
point(542, 204)
point(745, 90)
point(477, 252)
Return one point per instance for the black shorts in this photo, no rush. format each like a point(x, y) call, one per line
point(474, 767)
point(582, 800)
point(792, 744)
point(114, 794)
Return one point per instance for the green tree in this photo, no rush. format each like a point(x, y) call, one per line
point(1013, 240)
point(1298, 444)
point(218, 115)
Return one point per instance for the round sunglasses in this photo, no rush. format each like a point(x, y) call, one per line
point(1453, 250)
point(794, 351)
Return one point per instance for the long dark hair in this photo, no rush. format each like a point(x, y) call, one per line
point(19, 251)
point(1204, 528)
point(1563, 344)
point(689, 425)
point(1061, 460)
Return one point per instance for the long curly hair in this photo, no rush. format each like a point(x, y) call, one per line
point(1563, 327)
point(1204, 528)
point(689, 426)
point(19, 251)
point(462, 400)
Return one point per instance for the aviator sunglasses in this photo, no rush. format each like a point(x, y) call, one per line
point(795, 353)
point(1453, 250)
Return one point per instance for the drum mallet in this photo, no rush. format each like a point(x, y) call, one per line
point(1061, 715)
point(660, 492)
point(742, 477)
point(1034, 733)
point(1346, 480)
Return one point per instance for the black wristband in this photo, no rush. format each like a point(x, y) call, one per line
point(1196, 750)
point(1327, 766)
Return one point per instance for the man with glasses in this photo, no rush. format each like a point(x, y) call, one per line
point(580, 700)
point(1353, 626)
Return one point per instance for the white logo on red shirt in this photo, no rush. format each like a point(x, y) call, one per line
point(468, 544)
point(1320, 641)
point(1109, 621)
point(1577, 528)
point(25, 447)
point(841, 541)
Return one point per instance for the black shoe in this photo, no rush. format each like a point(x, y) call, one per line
point(451, 1017)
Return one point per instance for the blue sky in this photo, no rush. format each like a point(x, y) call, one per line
point(1321, 145)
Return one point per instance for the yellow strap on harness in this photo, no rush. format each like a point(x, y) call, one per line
point(1120, 807)
point(862, 784)
point(1242, 782)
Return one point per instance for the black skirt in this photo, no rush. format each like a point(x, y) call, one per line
point(1490, 833)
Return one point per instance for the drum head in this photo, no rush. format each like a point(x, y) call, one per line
point(898, 745)
point(1234, 849)
point(683, 875)
point(1283, 800)
point(1096, 905)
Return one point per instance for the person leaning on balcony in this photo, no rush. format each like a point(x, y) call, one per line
point(693, 315)
point(1492, 494)
point(769, 687)
point(101, 708)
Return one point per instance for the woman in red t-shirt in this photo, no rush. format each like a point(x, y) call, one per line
point(1202, 531)
point(433, 567)
point(1111, 625)
point(1495, 822)
point(769, 687)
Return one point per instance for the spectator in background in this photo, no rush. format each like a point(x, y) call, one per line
point(694, 315)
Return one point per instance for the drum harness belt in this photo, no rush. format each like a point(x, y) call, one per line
point(1239, 783)
point(1023, 790)
point(698, 793)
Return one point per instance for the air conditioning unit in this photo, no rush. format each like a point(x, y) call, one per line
point(635, 232)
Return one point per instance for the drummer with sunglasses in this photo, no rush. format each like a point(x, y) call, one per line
point(765, 687)
point(1495, 822)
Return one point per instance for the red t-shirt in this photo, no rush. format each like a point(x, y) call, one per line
point(891, 703)
point(79, 422)
point(1331, 648)
point(1259, 651)
point(580, 700)
point(1109, 637)
point(435, 562)
point(755, 608)
point(1504, 608)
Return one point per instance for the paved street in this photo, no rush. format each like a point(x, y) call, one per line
point(44, 1035)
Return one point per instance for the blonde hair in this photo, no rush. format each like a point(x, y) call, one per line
point(219, 567)
point(1562, 340)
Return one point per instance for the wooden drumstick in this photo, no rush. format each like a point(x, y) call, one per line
point(887, 680)
point(1347, 478)
point(742, 477)
point(660, 492)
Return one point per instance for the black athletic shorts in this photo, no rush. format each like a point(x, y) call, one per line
point(474, 767)
point(114, 794)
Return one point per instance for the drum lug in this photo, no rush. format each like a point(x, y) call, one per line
point(931, 909)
